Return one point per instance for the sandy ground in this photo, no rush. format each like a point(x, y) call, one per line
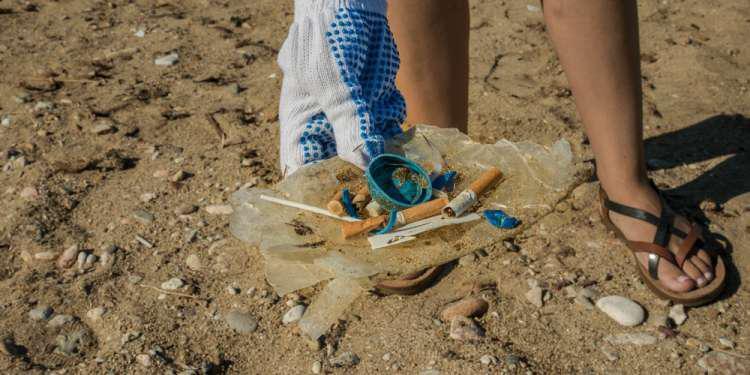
point(93, 134)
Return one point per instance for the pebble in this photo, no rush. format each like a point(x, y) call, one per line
point(81, 261)
point(345, 359)
point(488, 360)
point(386, 357)
point(467, 260)
point(143, 242)
point(610, 353)
point(96, 313)
point(727, 343)
point(60, 320)
point(622, 310)
point(193, 262)
point(589, 293)
point(173, 284)
point(45, 255)
point(103, 127)
point(167, 60)
point(241, 322)
point(147, 197)
point(68, 258)
point(317, 367)
point(638, 339)
point(186, 209)
point(219, 209)
point(190, 235)
point(535, 295)
point(722, 363)
point(144, 360)
point(68, 344)
point(468, 307)
point(143, 216)
point(464, 329)
point(233, 290)
point(40, 313)
point(678, 315)
point(294, 314)
point(90, 260)
point(29, 193)
point(570, 291)
point(180, 176)
point(5, 120)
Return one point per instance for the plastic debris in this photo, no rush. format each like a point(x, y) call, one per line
point(499, 219)
point(301, 241)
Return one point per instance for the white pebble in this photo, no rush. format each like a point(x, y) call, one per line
point(678, 315)
point(96, 313)
point(219, 209)
point(622, 310)
point(173, 284)
point(294, 314)
point(488, 360)
point(317, 367)
point(168, 60)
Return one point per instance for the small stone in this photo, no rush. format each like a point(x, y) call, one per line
point(488, 360)
point(233, 290)
point(317, 367)
point(186, 209)
point(40, 313)
point(638, 339)
point(143, 242)
point(173, 284)
point(345, 359)
point(190, 235)
point(29, 193)
point(610, 353)
point(678, 315)
point(589, 293)
point(42, 105)
point(535, 295)
point(167, 60)
point(147, 197)
point(510, 246)
point(464, 329)
point(104, 127)
point(722, 363)
point(725, 342)
point(130, 337)
point(241, 322)
point(570, 291)
point(144, 217)
point(193, 262)
point(180, 176)
point(5, 120)
point(68, 258)
point(468, 307)
point(467, 260)
point(294, 314)
point(60, 320)
point(386, 357)
point(622, 310)
point(69, 344)
point(96, 313)
point(45, 255)
point(81, 261)
point(144, 360)
point(219, 209)
point(90, 260)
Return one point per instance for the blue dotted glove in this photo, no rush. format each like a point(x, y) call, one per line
point(339, 94)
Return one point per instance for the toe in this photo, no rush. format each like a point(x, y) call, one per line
point(694, 273)
point(708, 272)
point(674, 279)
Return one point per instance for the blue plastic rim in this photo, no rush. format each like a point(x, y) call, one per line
point(397, 182)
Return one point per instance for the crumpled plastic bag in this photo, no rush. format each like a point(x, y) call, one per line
point(302, 249)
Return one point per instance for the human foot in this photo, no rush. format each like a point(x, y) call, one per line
point(684, 267)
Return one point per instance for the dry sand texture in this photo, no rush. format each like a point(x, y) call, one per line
point(94, 135)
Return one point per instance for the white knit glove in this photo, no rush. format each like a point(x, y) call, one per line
point(339, 94)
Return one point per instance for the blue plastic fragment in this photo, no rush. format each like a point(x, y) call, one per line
point(391, 223)
point(346, 199)
point(499, 219)
point(445, 181)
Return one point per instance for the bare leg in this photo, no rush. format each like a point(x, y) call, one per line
point(433, 41)
point(597, 42)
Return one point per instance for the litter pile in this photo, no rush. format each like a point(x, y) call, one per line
point(418, 224)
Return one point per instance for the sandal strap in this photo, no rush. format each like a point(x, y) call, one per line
point(687, 247)
point(655, 254)
point(664, 224)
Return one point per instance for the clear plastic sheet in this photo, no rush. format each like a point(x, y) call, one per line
point(302, 249)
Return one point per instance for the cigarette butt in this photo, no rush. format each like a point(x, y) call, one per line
point(484, 181)
point(351, 229)
point(460, 204)
point(335, 205)
point(422, 211)
point(407, 216)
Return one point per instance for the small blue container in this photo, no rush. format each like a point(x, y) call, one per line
point(397, 183)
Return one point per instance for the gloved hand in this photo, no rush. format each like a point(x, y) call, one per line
point(339, 94)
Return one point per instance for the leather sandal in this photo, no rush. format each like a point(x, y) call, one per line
point(657, 251)
point(411, 283)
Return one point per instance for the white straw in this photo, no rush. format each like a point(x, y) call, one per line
point(306, 207)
